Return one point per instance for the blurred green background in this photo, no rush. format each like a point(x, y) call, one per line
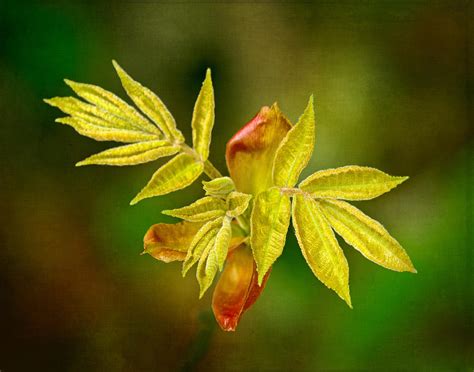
point(393, 90)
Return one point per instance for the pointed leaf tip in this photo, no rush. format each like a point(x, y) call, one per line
point(320, 247)
point(269, 225)
point(366, 235)
point(350, 182)
point(150, 104)
point(203, 117)
point(294, 152)
point(176, 174)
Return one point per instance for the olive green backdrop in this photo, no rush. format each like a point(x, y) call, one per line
point(392, 82)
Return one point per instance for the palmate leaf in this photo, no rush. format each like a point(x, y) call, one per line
point(179, 172)
point(106, 117)
point(295, 150)
point(269, 224)
point(203, 118)
point(366, 235)
point(150, 104)
point(350, 183)
point(219, 186)
point(320, 247)
point(204, 209)
point(136, 153)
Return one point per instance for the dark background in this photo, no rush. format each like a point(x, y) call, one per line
point(393, 89)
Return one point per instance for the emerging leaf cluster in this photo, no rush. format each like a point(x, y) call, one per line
point(227, 217)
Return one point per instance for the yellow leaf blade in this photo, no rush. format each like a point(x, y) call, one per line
point(113, 105)
point(214, 256)
point(350, 183)
point(320, 247)
point(203, 117)
point(150, 104)
point(219, 186)
point(199, 244)
point(222, 243)
point(295, 150)
point(170, 242)
point(204, 209)
point(366, 235)
point(100, 133)
point(136, 153)
point(92, 114)
point(178, 173)
point(269, 225)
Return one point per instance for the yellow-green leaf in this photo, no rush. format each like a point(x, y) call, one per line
point(366, 235)
point(320, 247)
point(110, 106)
point(203, 117)
point(136, 153)
point(204, 236)
point(222, 243)
point(205, 273)
point(204, 209)
point(99, 116)
point(102, 133)
point(178, 173)
point(219, 186)
point(170, 242)
point(214, 256)
point(269, 225)
point(350, 183)
point(295, 150)
point(150, 104)
point(237, 203)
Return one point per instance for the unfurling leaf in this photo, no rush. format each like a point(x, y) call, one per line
point(203, 117)
point(178, 173)
point(237, 203)
point(269, 225)
point(200, 242)
point(214, 256)
point(320, 247)
point(350, 183)
point(366, 235)
point(170, 242)
point(135, 153)
point(251, 151)
point(237, 288)
point(150, 104)
point(295, 150)
point(219, 186)
point(204, 209)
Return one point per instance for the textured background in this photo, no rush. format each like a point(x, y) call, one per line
point(393, 89)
